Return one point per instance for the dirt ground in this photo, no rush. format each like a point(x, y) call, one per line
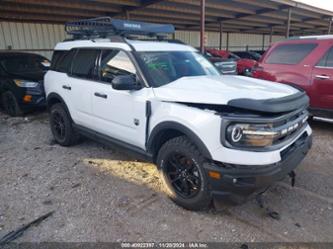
point(103, 193)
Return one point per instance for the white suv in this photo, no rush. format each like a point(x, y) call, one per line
point(211, 136)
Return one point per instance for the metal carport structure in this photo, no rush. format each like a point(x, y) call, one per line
point(266, 17)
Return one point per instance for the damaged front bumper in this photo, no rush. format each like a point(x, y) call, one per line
point(237, 182)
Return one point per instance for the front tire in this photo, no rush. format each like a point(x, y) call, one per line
point(181, 169)
point(10, 104)
point(61, 126)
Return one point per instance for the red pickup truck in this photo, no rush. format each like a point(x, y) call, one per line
point(305, 63)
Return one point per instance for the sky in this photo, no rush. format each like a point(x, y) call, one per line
point(323, 4)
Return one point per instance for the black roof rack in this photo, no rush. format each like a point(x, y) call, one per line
point(103, 27)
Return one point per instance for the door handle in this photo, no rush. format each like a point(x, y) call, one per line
point(322, 77)
point(67, 87)
point(101, 95)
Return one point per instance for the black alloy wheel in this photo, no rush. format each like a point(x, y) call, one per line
point(62, 126)
point(10, 105)
point(58, 126)
point(181, 166)
point(183, 175)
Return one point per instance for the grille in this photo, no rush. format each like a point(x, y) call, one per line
point(290, 126)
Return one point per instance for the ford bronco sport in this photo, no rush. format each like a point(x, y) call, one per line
point(211, 136)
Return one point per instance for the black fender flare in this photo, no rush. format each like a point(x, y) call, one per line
point(56, 96)
point(171, 125)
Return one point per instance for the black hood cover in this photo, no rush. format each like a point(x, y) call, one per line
point(276, 105)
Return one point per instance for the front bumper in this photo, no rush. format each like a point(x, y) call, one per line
point(239, 181)
point(37, 98)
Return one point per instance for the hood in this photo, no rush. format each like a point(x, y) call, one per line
point(219, 90)
point(33, 76)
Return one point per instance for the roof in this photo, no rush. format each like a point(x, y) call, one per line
point(138, 45)
point(15, 54)
point(316, 37)
point(306, 39)
point(245, 16)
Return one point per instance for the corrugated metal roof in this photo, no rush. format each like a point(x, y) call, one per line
point(245, 16)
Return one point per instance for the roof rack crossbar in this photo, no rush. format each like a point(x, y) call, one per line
point(103, 27)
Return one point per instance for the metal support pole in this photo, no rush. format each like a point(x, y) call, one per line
point(220, 46)
point(263, 42)
point(127, 14)
point(227, 41)
point(271, 36)
point(330, 25)
point(288, 23)
point(202, 26)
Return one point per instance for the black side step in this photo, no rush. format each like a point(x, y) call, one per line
point(98, 137)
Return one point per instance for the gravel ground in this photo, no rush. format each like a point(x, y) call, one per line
point(103, 193)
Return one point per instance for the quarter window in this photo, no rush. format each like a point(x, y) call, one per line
point(290, 54)
point(84, 63)
point(115, 63)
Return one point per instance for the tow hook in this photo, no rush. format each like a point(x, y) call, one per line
point(292, 175)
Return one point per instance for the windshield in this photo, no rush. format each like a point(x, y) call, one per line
point(164, 67)
point(25, 64)
point(256, 55)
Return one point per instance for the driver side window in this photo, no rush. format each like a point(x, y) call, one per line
point(115, 63)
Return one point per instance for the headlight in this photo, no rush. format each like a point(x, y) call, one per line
point(251, 135)
point(262, 132)
point(261, 135)
point(24, 83)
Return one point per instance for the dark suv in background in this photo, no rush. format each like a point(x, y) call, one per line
point(21, 81)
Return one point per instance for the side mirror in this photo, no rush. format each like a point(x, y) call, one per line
point(125, 82)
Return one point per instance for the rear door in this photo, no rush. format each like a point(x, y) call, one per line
point(57, 78)
point(322, 76)
point(81, 84)
point(288, 63)
point(120, 114)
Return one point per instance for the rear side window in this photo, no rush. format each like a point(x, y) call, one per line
point(290, 54)
point(61, 61)
point(55, 58)
point(84, 63)
point(327, 60)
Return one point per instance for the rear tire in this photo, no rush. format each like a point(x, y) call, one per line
point(181, 169)
point(61, 126)
point(10, 104)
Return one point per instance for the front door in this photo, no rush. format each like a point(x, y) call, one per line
point(322, 76)
point(120, 114)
